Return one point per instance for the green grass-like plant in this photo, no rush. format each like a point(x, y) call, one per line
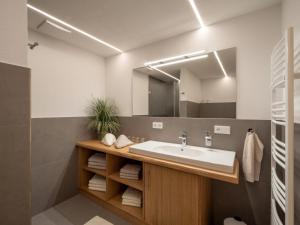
point(103, 117)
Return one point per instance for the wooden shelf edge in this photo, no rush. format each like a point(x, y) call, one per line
point(137, 184)
point(96, 171)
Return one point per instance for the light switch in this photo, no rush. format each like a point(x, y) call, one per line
point(222, 129)
point(157, 125)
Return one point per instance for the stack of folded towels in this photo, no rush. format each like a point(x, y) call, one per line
point(130, 171)
point(97, 161)
point(97, 183)
point(132, 197)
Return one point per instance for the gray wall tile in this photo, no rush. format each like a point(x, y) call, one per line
point(249, 201)
point(14, 145)
point(54, 159)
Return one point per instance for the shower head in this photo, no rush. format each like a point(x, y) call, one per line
point(32, 46)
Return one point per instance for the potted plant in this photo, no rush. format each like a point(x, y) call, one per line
point(103, 117)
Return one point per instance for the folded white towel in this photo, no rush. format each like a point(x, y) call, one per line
point(95, 160)
point(252, 157)
point(97, 189)
point(97, 157)
point(96, 179)
point(132, 200)
point(97, 184)
point(101, 167)
point(132, 193)
point(131, 169)
point(97, 163)
point(124, 202)
point(130, 177)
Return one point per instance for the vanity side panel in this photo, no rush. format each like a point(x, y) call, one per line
point(205, 201)
point(171, 197)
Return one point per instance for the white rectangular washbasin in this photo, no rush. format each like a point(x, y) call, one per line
point(209, 158)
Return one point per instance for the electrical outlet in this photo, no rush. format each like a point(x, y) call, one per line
point(157, 125)
point(222, 129)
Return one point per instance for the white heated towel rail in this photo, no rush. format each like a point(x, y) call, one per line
point(284, 62)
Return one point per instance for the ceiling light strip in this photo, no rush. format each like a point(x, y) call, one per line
point(165, 73)
point(175, 57)
point(179, 61)
point(220, 63)
point(58, 27)
point(73, 28)
point(197, 13)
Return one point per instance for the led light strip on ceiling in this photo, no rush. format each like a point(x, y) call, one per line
point(165, 73)
point(220, 63)
point(180, 61)
point(177, 59)
point(197, 13)
point(73, 28)
point(53, 25)
point(174, 57)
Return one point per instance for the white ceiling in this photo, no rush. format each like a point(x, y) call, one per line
point(128, 24)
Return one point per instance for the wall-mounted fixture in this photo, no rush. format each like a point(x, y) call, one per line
point(71, 27)
point(220, 63)
point(197, 13)
point(177, 59)
point(53, 25)
point(33, 45)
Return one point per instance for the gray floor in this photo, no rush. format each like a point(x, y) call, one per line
point(75, 211)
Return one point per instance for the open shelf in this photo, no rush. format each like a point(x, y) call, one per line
point(137, 184)
point(134, 211)
point(97, 194)
point(96, 171)
point(115, 186)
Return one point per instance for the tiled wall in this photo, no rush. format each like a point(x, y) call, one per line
point(207, 110)
point(54, 159)
point(249, 201)
point(14, 145)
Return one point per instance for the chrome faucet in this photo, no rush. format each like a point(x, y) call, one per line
point(183, 139)
point(208, 139)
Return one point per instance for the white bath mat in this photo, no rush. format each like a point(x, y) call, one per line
point(97, 221)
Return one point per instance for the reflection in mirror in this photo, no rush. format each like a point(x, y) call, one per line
point(200, 85)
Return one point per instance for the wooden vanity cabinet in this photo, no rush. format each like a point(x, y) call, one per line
point(173, 193)
point(175, 197)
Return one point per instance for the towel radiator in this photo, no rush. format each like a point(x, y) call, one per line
point(284, 60)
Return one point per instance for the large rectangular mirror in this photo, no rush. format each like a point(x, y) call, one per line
point(199, 85)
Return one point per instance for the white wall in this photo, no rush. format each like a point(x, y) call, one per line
point(219, 90)
point(13, 32)
point(290, 13)
point(140, 93)
point(291, 17)
point(190, 85)
point(64, 78)
point(254, 35)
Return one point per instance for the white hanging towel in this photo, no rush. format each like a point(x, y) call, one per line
point(252, 156)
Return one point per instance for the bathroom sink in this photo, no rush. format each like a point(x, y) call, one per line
point(209, 158)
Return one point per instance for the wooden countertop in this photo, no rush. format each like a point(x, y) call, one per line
point(124, 152)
